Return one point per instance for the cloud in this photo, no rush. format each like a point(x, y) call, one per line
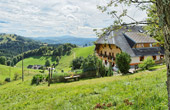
point(35, 18)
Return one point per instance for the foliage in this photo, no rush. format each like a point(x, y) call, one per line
point(47, 63)
point(16, 76)
point(101, 69)
point(48, 50)
point(123, 62)
point(147, 63)
point(11, 45)
point(154, 29)
point(38, 78)
point(89, 63)
point(110, 71)
point(77, 62)
point(7, 79)
point(65, 61)
point(2, 60)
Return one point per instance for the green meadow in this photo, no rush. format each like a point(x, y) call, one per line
point(145, 90)
point(36, 60)
point(65, 61)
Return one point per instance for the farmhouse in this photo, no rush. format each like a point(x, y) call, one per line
point(131, 40)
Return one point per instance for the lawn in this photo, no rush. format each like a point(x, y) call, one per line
point(36, 60)
point(145, 91)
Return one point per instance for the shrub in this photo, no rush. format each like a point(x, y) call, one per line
point(147, 63)
point(123, 60)
point(7, 79)
point(90, 63)
point(38, 78)
point(47, 63)
point(101, 69)
point(16, 76)
point(110, 71)
point(76, 63)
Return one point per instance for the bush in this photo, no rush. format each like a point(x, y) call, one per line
point(7, 80)
point(90, 63)
point(147, 63)
point(76, 63)
point(16, 76)
point(110, 71)
point(38, 78)
point(123, 60)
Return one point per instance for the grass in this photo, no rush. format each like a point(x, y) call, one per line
point(6, 71)
point(146, 90)
point(65, 61)
point(36, 60)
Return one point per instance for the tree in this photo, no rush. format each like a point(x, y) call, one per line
point(147, 63)
point(15, 60)
point(89, 63)
point(123, 62)
point(77, 63)
point(2, 60)
point(47, 63)
point(162, 11)
point(8, 63)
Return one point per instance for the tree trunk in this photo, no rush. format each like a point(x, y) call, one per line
point(163, 10)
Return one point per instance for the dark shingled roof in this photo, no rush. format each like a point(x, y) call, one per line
point(148, 51)
point(121, 39)
point(138, 37)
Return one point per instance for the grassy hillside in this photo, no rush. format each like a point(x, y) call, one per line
point(36, 60)
point(77, 52)
point(6, 71)
point(64, 61)
point(145, 91)
point(11, 44)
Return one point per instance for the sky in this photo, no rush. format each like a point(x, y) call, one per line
point(52, 18)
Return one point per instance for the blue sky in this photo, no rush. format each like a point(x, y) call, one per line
point(46, 18)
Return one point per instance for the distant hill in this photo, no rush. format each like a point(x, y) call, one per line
point(66, 39)
point(11, 44)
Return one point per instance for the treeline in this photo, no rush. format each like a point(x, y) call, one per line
point(12, 44)
point(48, 50)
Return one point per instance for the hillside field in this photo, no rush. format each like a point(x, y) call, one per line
point(6, 72)
point(145, 91)
point(64, 61)
point(36, 60)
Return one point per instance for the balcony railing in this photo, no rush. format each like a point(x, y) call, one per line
point(106, 56)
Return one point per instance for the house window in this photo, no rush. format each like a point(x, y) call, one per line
point(141, 58)
point(154, 57)
point(113, 64)
point(150, 45)
point(101, 52)
point(105, 53)
point(109, 54)
point(105, 62)
point(161, 56)
point(112, 54)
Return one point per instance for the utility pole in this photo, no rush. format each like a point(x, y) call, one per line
point(22, 64)
point(49, 77)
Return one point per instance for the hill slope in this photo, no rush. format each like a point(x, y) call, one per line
point(6, 72)
point(145, 90)
point(36, 60)
point(11, 44)
point(64, 61)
